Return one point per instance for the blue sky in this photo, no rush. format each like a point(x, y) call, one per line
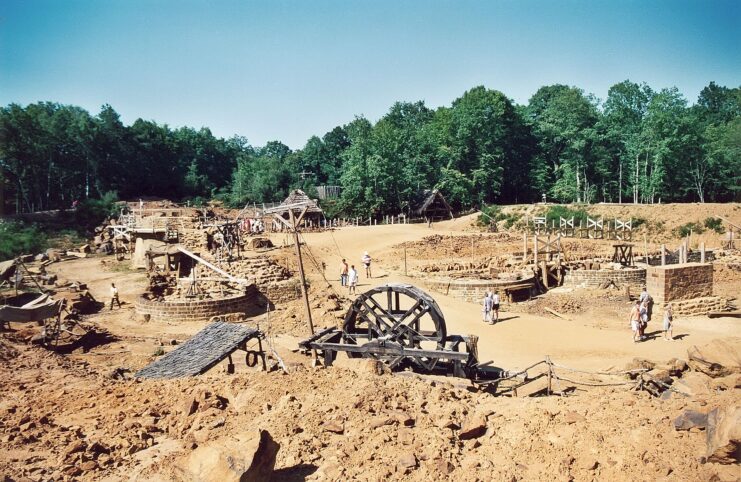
point(287, 70)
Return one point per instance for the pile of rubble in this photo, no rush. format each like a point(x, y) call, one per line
point(348, 422)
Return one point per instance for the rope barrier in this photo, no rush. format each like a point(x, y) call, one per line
point(640, 384)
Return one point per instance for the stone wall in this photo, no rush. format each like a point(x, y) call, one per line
point(194, 310)
point(193, 239)
point(695, 306)
point(473, 291)
point(594, 278)
point(679, 282)
point(282, 291)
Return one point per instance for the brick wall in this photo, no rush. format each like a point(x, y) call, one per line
point(594, 278)
point(679, 282)
point(194, 310)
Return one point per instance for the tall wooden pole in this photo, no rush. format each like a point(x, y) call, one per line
point(301, 272)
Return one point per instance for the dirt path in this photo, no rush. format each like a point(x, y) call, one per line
point(520, 339)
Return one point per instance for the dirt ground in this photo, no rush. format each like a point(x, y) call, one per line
point(64, 416)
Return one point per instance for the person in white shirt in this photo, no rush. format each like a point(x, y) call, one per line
point(495, 307)
point(114, 296)
point(486, 310)
point(352, 279)
point(366, 259)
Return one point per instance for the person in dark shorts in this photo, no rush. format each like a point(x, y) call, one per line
point(114, 296)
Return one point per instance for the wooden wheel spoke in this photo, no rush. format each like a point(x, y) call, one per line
point(378, 316)
point(381, 309)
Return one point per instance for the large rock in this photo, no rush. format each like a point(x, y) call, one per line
point(691, 419)
point(246, 458)
point(724, 435)
point(694, 383)
point(473, 427)
point(719, 358)
point(54, 255)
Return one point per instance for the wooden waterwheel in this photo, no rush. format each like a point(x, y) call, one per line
point(395, 315)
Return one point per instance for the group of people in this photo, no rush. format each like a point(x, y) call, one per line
point(640, 315)
point(349, 275)
point(490, 310)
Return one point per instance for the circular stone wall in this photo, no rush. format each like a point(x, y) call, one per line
point(594, 278)
point(474, 290)
point(193, 310)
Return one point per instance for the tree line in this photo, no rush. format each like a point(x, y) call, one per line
point(638, 145)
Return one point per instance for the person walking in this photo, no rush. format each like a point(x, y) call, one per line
point(486, 309)
point(366, 259)
point(343, 272)
point(114, 296)
point(644, 295)
point(646, 298)
point(643, 310)
point(634, 319)
point(353, 279)
point(669, 322)
point(495, 307)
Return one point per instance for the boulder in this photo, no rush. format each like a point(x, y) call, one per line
point(639, 364)
point(249, 457)
point(724, 435)
point(691, 419)
point(53, 255)
point(719, 358)
point(473, 427)
point(694, 383)
point(726, 383)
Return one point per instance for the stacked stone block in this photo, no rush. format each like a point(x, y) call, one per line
point(594, 278)
point(689, 287)
point(282, 291)
point(679, 282)
point(194, 310)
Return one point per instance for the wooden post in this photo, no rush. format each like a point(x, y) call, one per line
point(471, 252)
point(535, 250)
point(405, 260)
point(544, 271)
point(663, 255)
point(645, 248)
point(524, 248)
point(301, 272)
point(702, 252)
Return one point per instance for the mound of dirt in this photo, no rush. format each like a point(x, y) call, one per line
point(86, 426)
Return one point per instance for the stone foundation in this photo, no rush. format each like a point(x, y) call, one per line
point(693, 307)
point(194, 310)
point(473, 291)
point(594, 278)
point(679, 282)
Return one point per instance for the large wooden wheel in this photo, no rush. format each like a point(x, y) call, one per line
point(395, 314)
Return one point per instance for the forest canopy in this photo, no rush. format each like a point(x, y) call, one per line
point(638, 145)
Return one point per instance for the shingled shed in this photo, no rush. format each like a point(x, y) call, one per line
point(298, 197)
point(430, 204)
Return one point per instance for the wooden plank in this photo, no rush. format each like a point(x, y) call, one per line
point(720, 314)
point(556, 313)
point(241, 281)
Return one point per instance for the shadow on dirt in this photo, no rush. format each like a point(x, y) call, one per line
point(297, 473)
point(88, 341)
